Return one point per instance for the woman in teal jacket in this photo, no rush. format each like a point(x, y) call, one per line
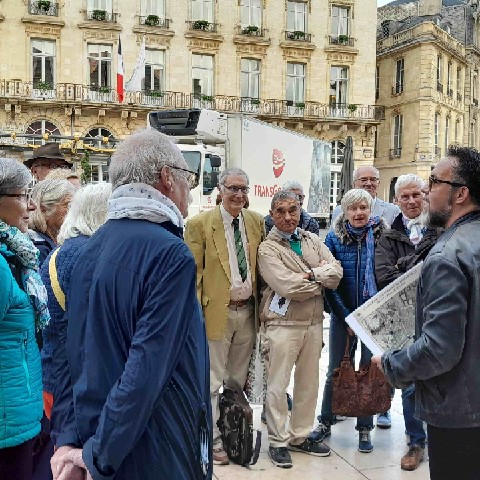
point(23, 310)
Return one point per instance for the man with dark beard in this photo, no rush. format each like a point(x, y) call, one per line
point(444, 360)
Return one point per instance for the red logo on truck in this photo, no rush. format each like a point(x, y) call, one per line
point(278, 162)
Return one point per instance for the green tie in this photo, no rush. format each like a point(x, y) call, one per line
point(241, 259)
point(296, 244)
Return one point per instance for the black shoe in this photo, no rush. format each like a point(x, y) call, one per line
point(320, 432)
point(312, 448)
point(280, 457)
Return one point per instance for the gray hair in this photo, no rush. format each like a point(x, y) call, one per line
point(407, 179)
point(230, 172)
point(292, 185)
point(141, 157)
point(13, 175)
point(355, 172)
point(47, 194)
point(62, 174)
point(283, 195)
point(354, 196)
point(87, 212)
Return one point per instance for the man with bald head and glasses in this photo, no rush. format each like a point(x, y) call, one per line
point(443, 361)
point(367, 178)
point(224, 242)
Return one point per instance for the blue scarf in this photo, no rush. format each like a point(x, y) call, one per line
point(370, 287)
point(14, 243)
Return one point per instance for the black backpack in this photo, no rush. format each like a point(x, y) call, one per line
point(236, 427)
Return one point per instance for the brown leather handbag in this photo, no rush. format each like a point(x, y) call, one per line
point(359, 393)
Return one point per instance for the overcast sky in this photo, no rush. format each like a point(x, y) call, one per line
point(381, 3)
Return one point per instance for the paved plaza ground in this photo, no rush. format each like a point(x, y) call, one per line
point(345, 461)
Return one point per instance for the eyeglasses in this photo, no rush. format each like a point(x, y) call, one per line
point(234, 189)
point(191, 179)
point(432, 180)
point(367, 179)
point(23, 197)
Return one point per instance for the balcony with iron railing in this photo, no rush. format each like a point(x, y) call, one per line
point(341, 40)
point(298, 36)
point(251, 31)
point(154, 21)
point(439, 87)
point(450, 92)
point(43, 7)
point(101, 16)
point(475, 102)
point(89, 95)
point(202, 26)
point(395, 153)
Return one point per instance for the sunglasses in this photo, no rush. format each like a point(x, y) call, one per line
point(432, 180)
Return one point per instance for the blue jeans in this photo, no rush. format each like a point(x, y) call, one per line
point(413, 426)
point(336, 345)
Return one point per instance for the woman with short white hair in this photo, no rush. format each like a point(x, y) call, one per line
point(88, 212)
point(352, 242)
point(52, 198)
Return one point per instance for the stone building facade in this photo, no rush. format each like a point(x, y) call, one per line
point(307, 65)
point(427, 78)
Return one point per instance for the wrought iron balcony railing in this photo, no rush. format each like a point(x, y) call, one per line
point(154, 21)
point(101, 16)
point(202, 26)
point(439, 87)
point(395, 153)
point(251, 31)
point(92, 94)
point(343, 40)
point(298, 36)
point(43, 7)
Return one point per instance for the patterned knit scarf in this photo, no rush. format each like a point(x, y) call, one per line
point(370, 287)
point(14, 243)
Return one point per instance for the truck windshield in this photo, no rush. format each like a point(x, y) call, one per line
point(193, 159)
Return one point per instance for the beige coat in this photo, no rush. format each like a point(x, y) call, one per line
point(205, 235)
point(281, 269)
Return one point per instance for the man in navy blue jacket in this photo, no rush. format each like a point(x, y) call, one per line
point(136, 341)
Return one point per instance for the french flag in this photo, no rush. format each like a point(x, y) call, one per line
point(120, 73)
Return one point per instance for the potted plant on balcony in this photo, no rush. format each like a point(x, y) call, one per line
point(298, 35)
point(154, 93)
point(44, 5)
point(251, 29)
point(200, 24)
point(207, 98)
point(152, 20)
point(255, 101)
point(104, 89)
point(300, 104)
point(343, 38)
point(100, 15)
point(352, 107)
point(43, 86)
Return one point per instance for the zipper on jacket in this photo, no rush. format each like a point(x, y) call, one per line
point(359, 258)
point(24, 361)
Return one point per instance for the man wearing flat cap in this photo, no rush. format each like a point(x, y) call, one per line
point(46, 158)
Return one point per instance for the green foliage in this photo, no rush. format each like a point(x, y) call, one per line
point(100, 15)
point(43, 86)
point(152, 20)
point(250, 29)
point(86, 167)
point(352, 107)
point(44, 5)
point(200, 24)
point(207, 98)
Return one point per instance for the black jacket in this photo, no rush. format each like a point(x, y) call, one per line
point(395, 253)
point(444, 360)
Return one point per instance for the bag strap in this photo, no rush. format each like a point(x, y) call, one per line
point(346, 354)
point(57, 289)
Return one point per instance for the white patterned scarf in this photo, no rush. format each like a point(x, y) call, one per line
point(139, 201)
point(14, 243)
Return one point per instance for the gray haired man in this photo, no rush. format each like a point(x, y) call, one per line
point(367, 178)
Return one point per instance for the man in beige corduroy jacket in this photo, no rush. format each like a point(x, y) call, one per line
point(296, 266)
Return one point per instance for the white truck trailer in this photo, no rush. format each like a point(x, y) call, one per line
point(211, 141)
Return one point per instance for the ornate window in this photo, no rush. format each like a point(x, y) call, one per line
point(41, 127)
